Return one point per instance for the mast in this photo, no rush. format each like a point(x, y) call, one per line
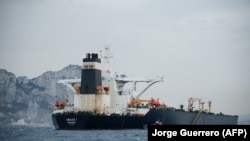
point(106, 56)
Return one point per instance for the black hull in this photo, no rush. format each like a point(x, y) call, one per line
point(96, 122)
point(73, 121)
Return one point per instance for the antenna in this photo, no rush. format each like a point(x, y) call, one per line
point(106, 56)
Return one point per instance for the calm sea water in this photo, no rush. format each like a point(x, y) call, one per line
point(24, 133)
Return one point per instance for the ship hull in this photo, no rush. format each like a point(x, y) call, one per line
point(73, 121)
point(181, 117)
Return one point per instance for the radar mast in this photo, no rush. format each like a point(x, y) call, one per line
point(106, 56)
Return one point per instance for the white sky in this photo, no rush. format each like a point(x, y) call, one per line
point(202, 47)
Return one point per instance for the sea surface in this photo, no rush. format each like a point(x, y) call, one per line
point(27, 133)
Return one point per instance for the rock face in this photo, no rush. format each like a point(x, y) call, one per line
point(33, 99)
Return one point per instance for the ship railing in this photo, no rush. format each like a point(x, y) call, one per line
point(120, 111)
point(58, 111)
point(73, 109)
point(107, 111)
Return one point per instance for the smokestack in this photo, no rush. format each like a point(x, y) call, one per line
point(91, 74)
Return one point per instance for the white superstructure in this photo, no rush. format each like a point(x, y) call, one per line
point(110, 94)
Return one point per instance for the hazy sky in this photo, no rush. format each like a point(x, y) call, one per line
point(202, 47)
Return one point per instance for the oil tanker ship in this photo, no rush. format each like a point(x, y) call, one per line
point(102, 101)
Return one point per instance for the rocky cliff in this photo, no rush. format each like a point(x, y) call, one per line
point(32, 100)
